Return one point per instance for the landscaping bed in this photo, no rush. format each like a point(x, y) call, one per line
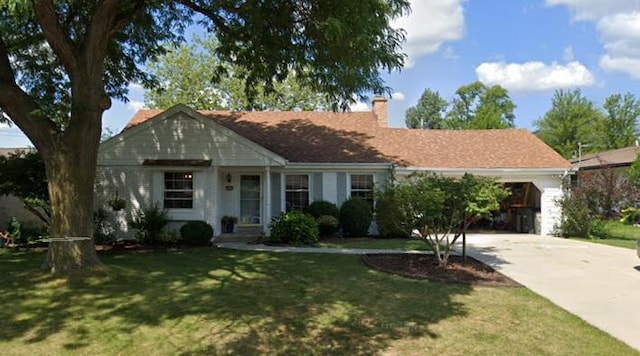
point(420, 266)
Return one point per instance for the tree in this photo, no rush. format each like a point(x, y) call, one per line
point(442, 208)
point(61, 63)
point(621, 120)
point(572, 120)
point(180, 73)
point(22, 174)
point(477, 106)
point(428, 113)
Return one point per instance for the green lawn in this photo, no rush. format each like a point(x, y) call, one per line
point(214, 301)
point(390, 244)
point(619, 234)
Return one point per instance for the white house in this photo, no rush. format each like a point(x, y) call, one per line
point(202, 165)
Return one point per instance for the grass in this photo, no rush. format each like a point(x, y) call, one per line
point(214, 301)
point(618, 234)
point(387, 244)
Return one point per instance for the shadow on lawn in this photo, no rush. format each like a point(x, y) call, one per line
point(217, 301)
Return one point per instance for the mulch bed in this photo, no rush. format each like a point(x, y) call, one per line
point(419, 266)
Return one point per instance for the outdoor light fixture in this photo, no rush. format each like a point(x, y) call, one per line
point(228, 177)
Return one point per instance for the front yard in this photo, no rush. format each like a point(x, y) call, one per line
point(617, 234)
point(213, 301)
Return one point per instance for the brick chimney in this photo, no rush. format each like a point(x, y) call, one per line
point(379, 110)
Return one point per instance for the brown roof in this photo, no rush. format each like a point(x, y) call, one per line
point(617, 158)
point(354, 137)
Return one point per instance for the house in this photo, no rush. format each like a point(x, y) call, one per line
point(619, 158)
point(11, 206)
point(203, 165)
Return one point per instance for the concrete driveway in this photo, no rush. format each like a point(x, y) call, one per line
point(598, 283)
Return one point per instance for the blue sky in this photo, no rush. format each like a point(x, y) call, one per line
point(530, 47)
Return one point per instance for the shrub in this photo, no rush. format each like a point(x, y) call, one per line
point(103, 233)
point(168, 237)
point(576, 217)
point(598, 228)
point(197, 233)
point(15, 231)
point(294, 228)
point(322, 207)
point(630, 216)
point(355, 217)
point(389, 216)
point(327, 225)
point(149, 222)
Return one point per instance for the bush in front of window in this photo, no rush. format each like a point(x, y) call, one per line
point(197, 233)
point(294, 228)
point(322, 207)
point(328, 225)
point(389, 216)
point(355, 217)
point(149, 223)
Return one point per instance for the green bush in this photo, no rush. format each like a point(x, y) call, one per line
point(598, 228)
point(294, 228)
point(328, 225)
point(630, 216)
point(168, 237)
point(149, 222)
point(576, 217)
point(355, 217)
point(322, 207)
point(389, 216)
point(197, 233)
point(103, 233)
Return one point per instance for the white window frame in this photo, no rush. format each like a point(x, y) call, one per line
point(190, 175)
point(371, 189)
point(286, 190)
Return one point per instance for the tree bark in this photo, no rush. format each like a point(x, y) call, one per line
point(71, 170)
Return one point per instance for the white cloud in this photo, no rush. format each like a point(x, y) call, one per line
point(629, 65)
point(568, 55)
point(430, 24)
point(399, 96)
point(595, 9)
point(618, 24)
point(359, 106)
point(137, 87)
point(534, 76)
point(135, 105)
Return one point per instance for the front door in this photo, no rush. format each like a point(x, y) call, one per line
point(250, 202)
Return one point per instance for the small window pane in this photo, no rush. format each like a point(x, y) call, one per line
point(297, 192)
point(178, 190)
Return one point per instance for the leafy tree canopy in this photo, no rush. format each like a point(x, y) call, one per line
point(477, 106)
point(621, 120)
point(186, 76)
point(22, 174)
point(428, 113)
point(572, 120)
point(61, 63)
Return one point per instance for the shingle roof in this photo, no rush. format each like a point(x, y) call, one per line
point(354, 137)
point(620, 157)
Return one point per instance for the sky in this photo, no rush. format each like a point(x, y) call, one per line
point(530, 47)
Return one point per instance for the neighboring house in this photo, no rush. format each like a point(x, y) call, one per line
point(202, 165)
point(11, 206)
point(620, 158)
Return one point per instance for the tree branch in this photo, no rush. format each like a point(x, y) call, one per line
point(57, 39)
point(208, 13)
point(18, 105)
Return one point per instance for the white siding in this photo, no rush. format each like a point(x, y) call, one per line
point(330, 187)
point(182, 137)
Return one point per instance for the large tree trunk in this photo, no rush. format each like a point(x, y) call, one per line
point(71, 170)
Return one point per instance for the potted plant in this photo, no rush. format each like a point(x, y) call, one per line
point(228, 222)
point(117, 203)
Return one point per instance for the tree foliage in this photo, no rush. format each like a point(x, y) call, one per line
point(22, 174)
point(477, 106)
point(621, 120)
point(441, 208)
point(194, 75)
point(61, 63)
point(572, 119)
point(428, 113)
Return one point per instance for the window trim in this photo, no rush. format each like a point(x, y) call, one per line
point(165, 190)
point(371, 190)
point(287, 190)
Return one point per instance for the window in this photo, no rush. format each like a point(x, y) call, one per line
point(362, 187)
point(297, 192)
point(178, 190)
